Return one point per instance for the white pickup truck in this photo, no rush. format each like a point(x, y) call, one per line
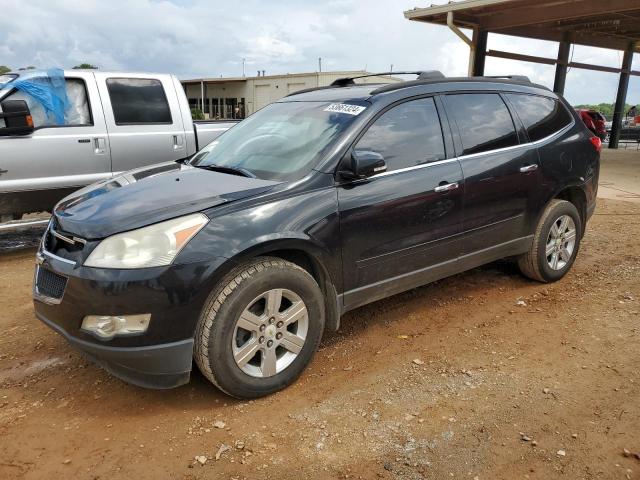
point(108, 122)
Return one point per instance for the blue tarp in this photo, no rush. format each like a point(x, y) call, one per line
point(48, 89)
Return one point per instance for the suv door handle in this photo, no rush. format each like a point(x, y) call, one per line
point(529, 168)
point(447, 187)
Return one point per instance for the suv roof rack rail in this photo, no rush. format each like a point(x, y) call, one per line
point(519, 78)
point(422, 75)
point(434, 79)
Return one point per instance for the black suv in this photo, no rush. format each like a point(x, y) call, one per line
point(324, 201)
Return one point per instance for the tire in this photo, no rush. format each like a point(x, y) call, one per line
point(246, 298)
point(536, 264)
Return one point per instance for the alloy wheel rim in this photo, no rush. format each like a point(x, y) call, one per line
point(270, 333)
point(561, 242)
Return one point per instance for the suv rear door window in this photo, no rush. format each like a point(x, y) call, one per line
point(406, 135)
point(483, 120)
point(541, 116)
point(138, 101)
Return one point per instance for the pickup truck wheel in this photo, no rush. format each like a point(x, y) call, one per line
point(259, 328)
point(555, 243)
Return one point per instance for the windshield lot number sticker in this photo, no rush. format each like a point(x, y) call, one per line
point(344, 108)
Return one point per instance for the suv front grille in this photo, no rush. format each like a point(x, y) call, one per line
point(63, 245)
point(50, 284)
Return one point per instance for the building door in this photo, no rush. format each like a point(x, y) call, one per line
point(294, 87)
point(263, 96)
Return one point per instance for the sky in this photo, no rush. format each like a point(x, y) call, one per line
point(209, 38)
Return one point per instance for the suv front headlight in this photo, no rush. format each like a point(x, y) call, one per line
point(153, 246)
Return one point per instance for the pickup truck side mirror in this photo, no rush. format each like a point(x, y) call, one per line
point(17, 118)
point(362, 164)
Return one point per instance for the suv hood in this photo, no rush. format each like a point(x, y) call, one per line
point(149, 195)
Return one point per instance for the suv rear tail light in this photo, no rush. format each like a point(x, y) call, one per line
point(597, 143)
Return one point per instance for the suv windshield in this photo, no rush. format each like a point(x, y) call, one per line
point(283, 141)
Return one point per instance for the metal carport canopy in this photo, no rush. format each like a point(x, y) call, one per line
point(613, 24)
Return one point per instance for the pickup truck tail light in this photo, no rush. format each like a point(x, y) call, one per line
point(597, 143)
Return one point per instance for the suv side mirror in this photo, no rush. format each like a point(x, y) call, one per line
point(363, 164)
point(17, 118)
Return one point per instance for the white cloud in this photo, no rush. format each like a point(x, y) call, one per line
point(193, 38)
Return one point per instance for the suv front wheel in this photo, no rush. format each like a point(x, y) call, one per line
point(259, 328)
point(555, 243)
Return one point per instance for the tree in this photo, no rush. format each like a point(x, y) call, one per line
point(605, 108)
point(30, 67)
point(197, 114)
point(4, 69)
point(85, 66)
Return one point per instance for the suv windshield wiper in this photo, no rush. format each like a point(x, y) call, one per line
point(242, 172)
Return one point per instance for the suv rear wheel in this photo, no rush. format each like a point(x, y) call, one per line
point(259, 328)
point(555, 243)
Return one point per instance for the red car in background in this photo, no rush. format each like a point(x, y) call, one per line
point(595, 121)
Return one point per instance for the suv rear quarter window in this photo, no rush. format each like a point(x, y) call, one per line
point(483, 120)
point(541, 116)
point(137, 101)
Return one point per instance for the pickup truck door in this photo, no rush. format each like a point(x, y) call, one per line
point(144, 119)
point(54, 160)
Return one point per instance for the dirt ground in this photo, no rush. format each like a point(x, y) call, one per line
point(485, 375)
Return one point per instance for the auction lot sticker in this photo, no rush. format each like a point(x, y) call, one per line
point(345, 108)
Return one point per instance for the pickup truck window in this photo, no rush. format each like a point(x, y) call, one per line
point(282, 141)
point(541, 116)
point(77, 114)
point(408, 134)
point(138, 101)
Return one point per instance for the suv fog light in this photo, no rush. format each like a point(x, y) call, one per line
point(107, 327)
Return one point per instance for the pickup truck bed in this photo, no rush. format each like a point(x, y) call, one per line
point(208, 130)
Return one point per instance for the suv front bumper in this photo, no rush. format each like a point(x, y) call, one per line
point(161, 357)
point(157, 366)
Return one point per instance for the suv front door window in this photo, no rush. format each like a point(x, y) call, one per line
point(406, 135)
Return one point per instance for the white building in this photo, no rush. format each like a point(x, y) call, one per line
point(238, 97)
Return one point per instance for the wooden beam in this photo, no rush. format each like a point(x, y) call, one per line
point(521, 57)
point(597, 68)
point(560, 78)
point(580, 38)
point(543, 12)
point(552, 61)
point(621, 97)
